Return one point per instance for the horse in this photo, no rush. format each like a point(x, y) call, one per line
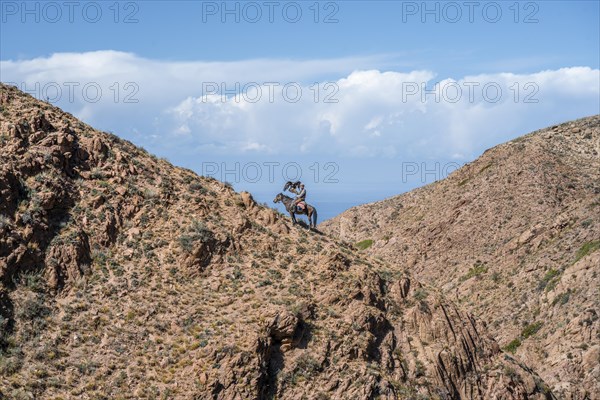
point(309, 210)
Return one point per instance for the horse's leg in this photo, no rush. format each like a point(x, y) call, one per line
point(313, 217)
point(303, 212)
point(293, 216)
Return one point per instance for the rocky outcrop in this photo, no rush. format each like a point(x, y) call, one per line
point(394, 344)
point(67, 258)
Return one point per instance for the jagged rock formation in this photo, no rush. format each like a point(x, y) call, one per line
point(125, 277)
point(513, 238)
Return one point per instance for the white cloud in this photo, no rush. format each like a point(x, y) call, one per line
point(362, 112)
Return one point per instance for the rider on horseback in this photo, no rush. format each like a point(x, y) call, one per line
point(300, 196)
point(297, 205)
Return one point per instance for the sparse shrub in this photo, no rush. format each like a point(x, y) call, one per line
point(237, 274)
point(587, 223)
point(239, 202)
point(273, 273)
point(496, 277)
point(486, 167)
point(306, 366)
point(33, 281)
point(477, 269)
point(513, 346)
point(87, 367)
point(545, 389)
point(531, 329)
point(562, 298)
point(197, 232)
point(11, 361)
point(550, 279)
point(363, 245)
point(97, 173)
point(121, 378)
point(198, 188)
point(586, 249)
point(27, 218)
point(4, 222)
point(33, 313)
point(419, 369)
point(116, 268)
point(264, 282)
point(420, 294)
point(150, 193)
point(510, 372)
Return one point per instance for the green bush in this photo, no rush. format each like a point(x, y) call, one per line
point(549, 280)
point(197, 232)
point(306, 366)
point(475, 271)
point(363, 245)
point(419, 368)
point(33, 312)
point(531, 329)
point(586, 249)
point(513, 346)
point(11, 361)
point(420, 294)
point(562, 298)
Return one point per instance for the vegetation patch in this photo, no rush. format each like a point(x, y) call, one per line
point(528, 331)
point(531, 329)
point(363, 245)
point(420, 294)
point(477, 269)
point(513, 346)
point(486, 168)
point(550, 279)
point(562, 298)
point(587, 248)
point(305, 368)
point(197, 232)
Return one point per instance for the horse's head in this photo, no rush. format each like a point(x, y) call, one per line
point(277, 198)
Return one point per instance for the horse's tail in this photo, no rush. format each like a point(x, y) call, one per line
point(314, 217)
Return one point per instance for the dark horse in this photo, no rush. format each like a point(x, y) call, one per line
point(309, 210)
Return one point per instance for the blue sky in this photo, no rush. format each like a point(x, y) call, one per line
point(156, 64)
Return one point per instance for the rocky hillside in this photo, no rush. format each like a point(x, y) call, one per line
point(124, 277)
point(512, 237)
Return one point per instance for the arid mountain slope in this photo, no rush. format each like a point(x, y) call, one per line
point(123, 277)
point(513, 237)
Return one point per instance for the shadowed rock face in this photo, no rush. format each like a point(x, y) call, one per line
point(125, 277)
point(513, 238)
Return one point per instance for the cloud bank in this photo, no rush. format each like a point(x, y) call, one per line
point(338, 107)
